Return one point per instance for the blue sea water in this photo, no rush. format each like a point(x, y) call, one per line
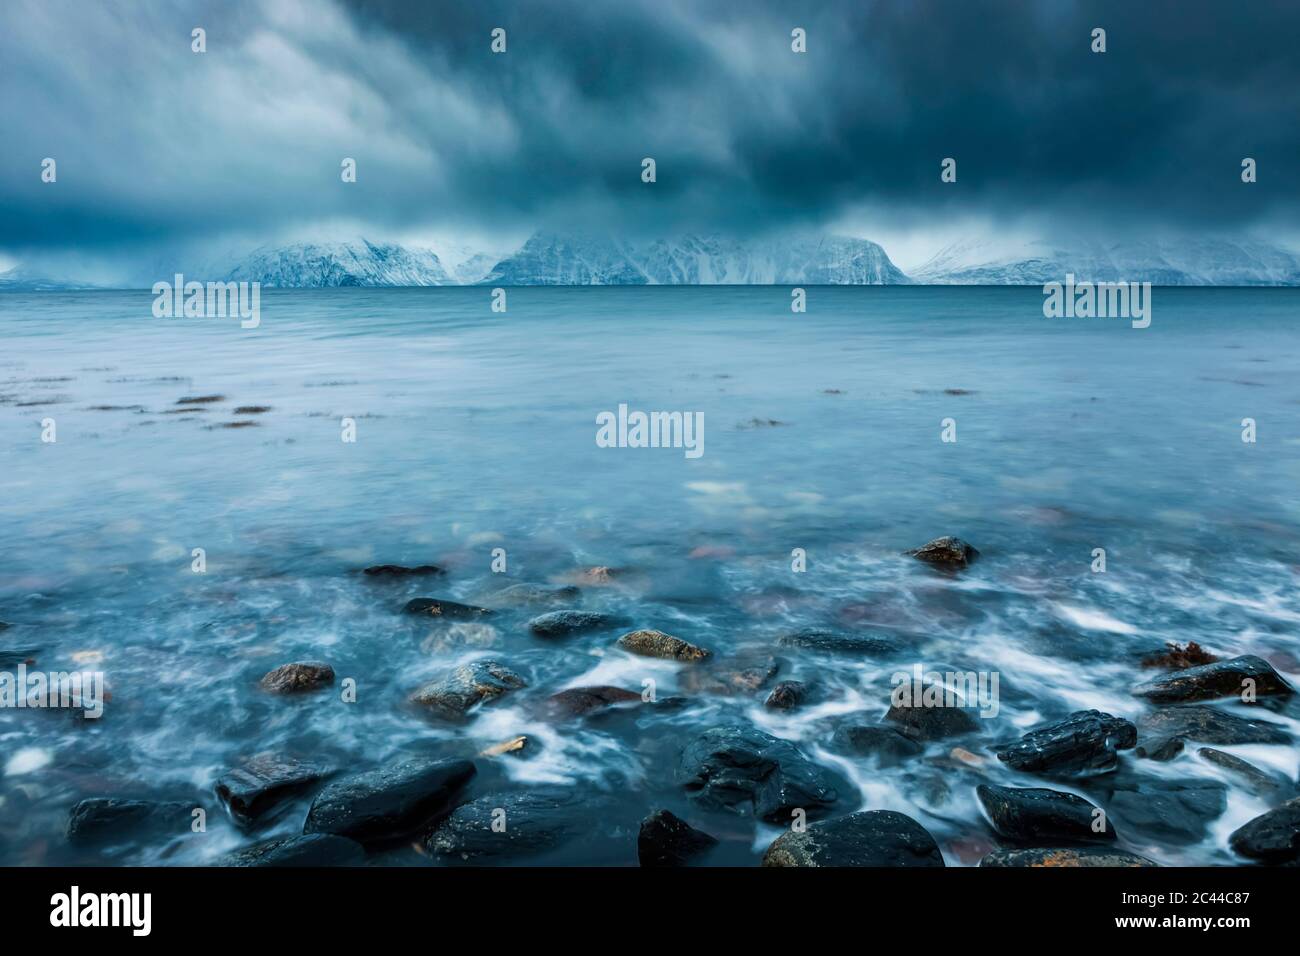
point(476, 431)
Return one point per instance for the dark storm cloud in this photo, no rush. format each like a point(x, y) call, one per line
point(156, 144)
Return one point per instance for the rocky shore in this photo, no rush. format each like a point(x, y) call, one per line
point(1074, 787)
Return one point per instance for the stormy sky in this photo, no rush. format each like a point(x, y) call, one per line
point(160, 149)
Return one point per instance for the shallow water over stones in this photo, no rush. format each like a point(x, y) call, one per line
point(1072, 439)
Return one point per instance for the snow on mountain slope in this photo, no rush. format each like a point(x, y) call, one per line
point(354, 263)
point(549, 259)
point(1194, 261)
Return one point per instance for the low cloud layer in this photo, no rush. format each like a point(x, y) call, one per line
point(160, 148)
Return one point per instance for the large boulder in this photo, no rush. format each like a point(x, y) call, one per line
point(1273, 837)
point(1230, 678)
point(745, 770)
point(535, 595)
point(731, 678)
point(520, 823)
point(454, 694)
point(298, 676)
point(568, 622)
point(946, 552)
point(867, 838)
point(447, 610)
point(1251, 776)
point(580, 701)
point(1038, 815)
point(252, 791)
point(652, 643)
point(1061, 857)
point(390, 802)
point(312, 849)
point(668, 840)
point(1085, 742)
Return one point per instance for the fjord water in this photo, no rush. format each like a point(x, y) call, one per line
point(476, 430)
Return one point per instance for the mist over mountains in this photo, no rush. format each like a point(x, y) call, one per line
point(557, 259)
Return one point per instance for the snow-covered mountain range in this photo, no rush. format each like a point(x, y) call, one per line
point(548, 258)
point(1199, 261)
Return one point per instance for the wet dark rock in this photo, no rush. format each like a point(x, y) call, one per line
point(1204, 724)
point(579, 701)
point(837, 642)
point(252, 791)
point(453, 695)
point(534, 821)
point(1210, 681)
point(390, 802)
point(566, 622)
point(200, 399)
point(1037, 815)
point(1250, 775)
point(299, 676)
point(933, 723)
point(742, 770)
point(1177, 657)
point(787, 695)
point(1066, 857)
point(525, 595)
point(1162, 749)
point(311, 849)
point(867, 838)
point(108, 819)
point(449, 610)
point(1085, 742)
point(886, 744)
point(400, 571)
point(251, 410)
point(731, 678)
point(651, 643)
point(667, 840)
point(1171, 810)
point(946, 552)
point(1273, 837)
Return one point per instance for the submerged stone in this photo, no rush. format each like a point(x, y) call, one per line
point(448, 610)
